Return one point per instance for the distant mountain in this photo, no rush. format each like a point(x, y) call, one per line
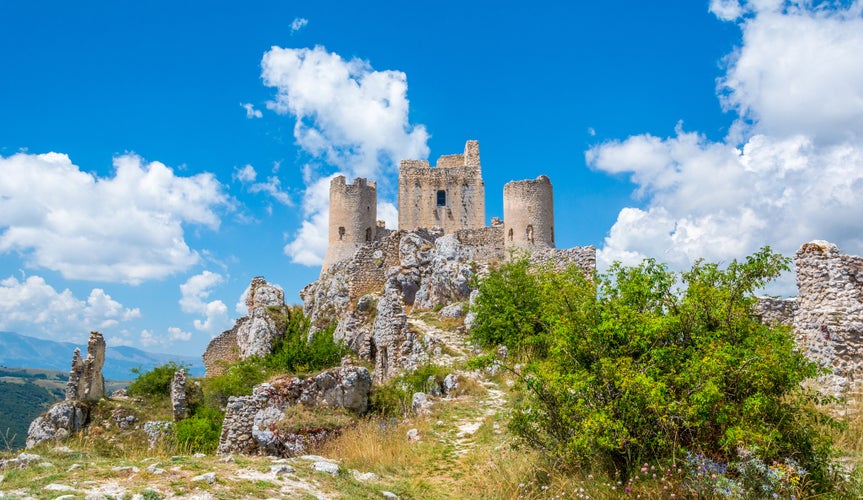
point(22, 351)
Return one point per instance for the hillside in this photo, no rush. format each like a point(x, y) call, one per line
point(21, 351)
point(27, 392)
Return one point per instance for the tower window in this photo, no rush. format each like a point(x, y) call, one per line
point(529, 233)
point(510, 234)
point(341, 232)
point(441, 198)
point(368, 234)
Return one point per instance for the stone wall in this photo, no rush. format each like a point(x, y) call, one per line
point(449, 196)
point(353, 218)
point(772, 311)
point(484, 244)
point(528, 213)
point(829, 319)
point(222, 351)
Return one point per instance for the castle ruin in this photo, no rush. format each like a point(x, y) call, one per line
point(448, 198)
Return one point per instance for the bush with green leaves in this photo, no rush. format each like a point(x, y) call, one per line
point(155, 382)
point(395, 398)
point(200, 432)
point(643, 364)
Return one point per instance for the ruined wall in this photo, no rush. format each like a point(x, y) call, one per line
point(528, 213)
point(449, 196)
point(772, 311)
point(483, 244)
point(353, 218)
point(829, 318)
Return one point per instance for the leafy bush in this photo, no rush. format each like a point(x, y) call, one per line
point(642, 363)
point(199, 433)
point(156, 382)
point(395, 398)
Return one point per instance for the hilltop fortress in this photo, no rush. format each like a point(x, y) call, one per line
point(448, 198)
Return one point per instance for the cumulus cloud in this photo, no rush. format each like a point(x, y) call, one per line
point(350, 117)
point(32, 303)
point(298, 23)
point(251, 112)
point(272, 186)
point(126, 228)
point(790, 171)
point(193, 300)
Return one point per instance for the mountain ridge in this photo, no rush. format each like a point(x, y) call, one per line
point(22, 351)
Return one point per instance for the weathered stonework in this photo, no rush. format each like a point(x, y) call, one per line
point(828, 321)
point(528, 213)
point(352, 222)
point(178, 395)
point(86, 382)
point(449, 196)
point(251, 422)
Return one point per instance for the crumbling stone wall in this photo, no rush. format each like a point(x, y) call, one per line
point(528, 213)
point(773, 311)
point(449, 196)
point(828, 322)
point(222, 351)
point(353, 218)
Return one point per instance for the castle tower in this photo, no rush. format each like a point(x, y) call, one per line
point(450, 195)
point(353, 218)
point(528, 214)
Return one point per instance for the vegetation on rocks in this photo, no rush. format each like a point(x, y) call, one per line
point(641, 365)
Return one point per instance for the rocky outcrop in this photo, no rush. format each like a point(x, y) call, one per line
point(62, 420)
point(86, 382)
point(252, 424)
point(255, 334)
point(427, 270)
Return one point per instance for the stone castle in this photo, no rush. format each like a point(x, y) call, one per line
point(448, 198)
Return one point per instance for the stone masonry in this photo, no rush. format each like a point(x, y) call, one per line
point(86, 382)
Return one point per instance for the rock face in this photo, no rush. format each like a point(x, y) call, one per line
point(61, 420)
point(253, 335)
point(828, 320)
point(86, 382)
point(251, 424)
point(424, 269)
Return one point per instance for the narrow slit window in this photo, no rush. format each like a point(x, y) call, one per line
point(529, 233)
point(441, 198)
point(341, 232)
point(368, 234)
point(510, 234)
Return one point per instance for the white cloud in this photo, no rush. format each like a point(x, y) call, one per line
point(790, 171)
point(251, 112)
point(193, 300)
point(272, 187)
point(33, 307)
point(127, 228)
point(351, 117)
point(298, 23)
point(175, 333)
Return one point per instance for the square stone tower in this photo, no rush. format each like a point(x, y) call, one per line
point(450, 195)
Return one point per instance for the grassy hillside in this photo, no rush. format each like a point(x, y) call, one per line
point(27, 392)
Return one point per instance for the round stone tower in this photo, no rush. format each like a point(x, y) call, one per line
point(528, 214)
point(353, 218)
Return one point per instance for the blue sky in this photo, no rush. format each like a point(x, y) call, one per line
point(156, 156)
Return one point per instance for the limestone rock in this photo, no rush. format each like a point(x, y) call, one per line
point(61, 420)
point(86, 382)
point(255, 334)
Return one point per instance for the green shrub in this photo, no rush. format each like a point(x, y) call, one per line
point(156, 382)
point(643, 364)
point(394, 399)
point(200, 432)
point(237, 380)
